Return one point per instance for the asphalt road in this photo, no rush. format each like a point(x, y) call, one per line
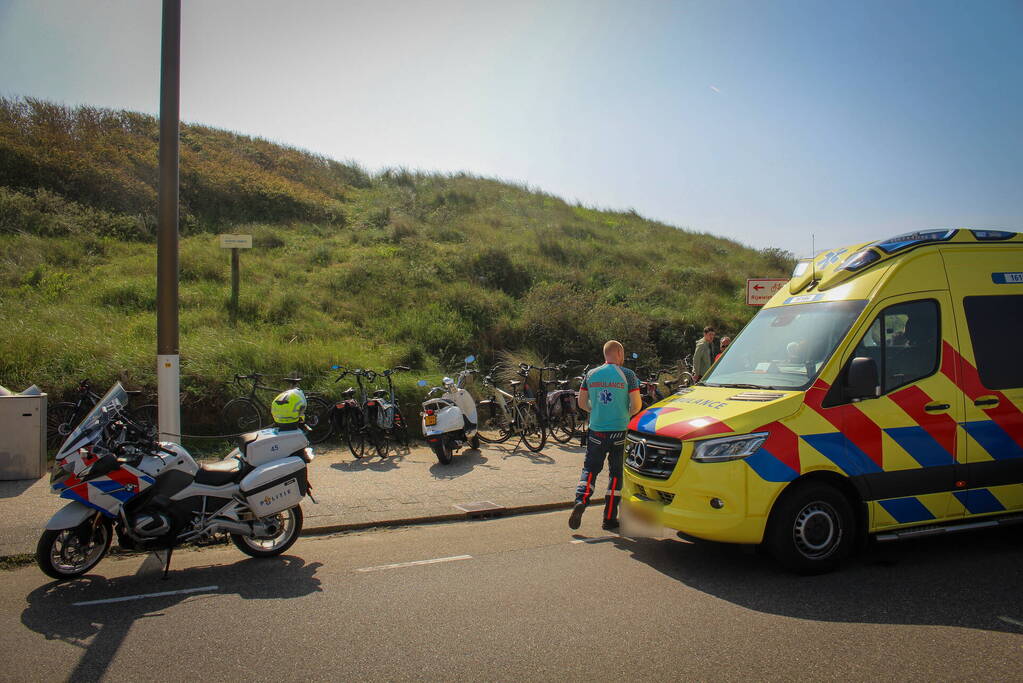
point(515, 599)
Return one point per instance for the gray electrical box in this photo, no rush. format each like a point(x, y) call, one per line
point(22, 437)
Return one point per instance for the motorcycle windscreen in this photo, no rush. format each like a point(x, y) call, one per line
point(90, 429)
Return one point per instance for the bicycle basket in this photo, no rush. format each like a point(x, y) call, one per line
point(385, 415)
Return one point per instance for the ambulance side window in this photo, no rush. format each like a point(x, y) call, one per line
point(996, 329)
point(905, 342)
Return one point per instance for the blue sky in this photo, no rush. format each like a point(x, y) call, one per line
point(760, 121)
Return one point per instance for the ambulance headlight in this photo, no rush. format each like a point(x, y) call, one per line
point(729, 447)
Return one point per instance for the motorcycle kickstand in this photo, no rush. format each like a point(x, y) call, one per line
point(166, 564)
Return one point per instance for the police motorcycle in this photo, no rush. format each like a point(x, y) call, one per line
point(449, 415)
point(155, 496)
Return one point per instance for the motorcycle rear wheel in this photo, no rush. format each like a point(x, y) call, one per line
point(291, 527)
point(61, 555)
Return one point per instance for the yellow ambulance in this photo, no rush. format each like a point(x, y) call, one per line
point(879, 393)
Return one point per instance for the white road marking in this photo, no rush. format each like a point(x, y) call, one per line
point(126, 598)
point(400, 565)
point(594, 540)
point(1010, 620)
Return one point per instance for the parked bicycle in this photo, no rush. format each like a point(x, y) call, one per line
point(385, 424)
point(505, 414)
point(248, 414)
point(64, 416)
point(562, 407)
point(346, 415)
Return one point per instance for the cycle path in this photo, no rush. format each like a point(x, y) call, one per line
point(405, 487)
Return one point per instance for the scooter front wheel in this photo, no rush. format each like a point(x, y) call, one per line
point(65, 554)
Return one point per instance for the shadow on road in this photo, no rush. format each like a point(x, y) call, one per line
point(101, 629)
point(463, 463)
point(967, 580)
point(13, 489)
point(520, 451)
point(372, 461)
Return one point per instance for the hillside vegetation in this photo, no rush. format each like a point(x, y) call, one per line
point(348, 267)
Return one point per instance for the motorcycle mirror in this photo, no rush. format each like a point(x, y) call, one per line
point(421, 382)
point(469, 359)
point(635, 355)
point(335, 367)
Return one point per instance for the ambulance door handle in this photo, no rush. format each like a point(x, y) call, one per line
point(936, 407)
point(989, 401)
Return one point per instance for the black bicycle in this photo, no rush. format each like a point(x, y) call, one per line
point(348, 416)
point(247, 414)
point(385, 423)
point(63, 417)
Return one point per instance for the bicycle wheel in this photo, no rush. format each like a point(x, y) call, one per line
point(563, 428)
point(355, 435)
point(686, 379)
point(377, 438)
point(492, 426)
point(241, 415)
point(59, 418)
point(317, 418)
point(400, 430)
point(534, 435)
point(147, 416)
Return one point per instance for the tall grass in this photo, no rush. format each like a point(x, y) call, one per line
point(346, 268)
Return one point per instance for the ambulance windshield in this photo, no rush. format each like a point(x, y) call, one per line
point(785, 347)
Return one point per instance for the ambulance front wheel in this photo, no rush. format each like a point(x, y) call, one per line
point(811, 529)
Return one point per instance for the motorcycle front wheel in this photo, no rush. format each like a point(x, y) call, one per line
point(289, 527)
point(65, 554)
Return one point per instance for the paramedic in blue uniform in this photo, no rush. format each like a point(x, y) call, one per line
point(610, 394)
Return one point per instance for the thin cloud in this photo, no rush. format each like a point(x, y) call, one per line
point(716, 89)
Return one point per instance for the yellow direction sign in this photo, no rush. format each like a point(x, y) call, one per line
point(235, 241)
point(760, 290)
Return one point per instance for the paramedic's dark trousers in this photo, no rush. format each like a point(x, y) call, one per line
point(602, 446)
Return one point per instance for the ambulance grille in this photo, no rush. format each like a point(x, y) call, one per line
point(666, 497)
point(653, 457)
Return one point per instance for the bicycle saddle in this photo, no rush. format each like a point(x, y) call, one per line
point(294, 380)
point(562, 382)
point(349, 392)
point(516, 382)
point(380, 393)
point(133, 392)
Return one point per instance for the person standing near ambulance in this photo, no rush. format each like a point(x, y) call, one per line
point(616, 399)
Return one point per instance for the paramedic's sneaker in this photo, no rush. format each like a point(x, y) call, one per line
point(576, 518)
point(610, 525)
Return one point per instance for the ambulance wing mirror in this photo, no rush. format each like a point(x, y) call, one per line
point(863, 379)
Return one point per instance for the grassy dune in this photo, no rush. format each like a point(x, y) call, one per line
point(348, 267)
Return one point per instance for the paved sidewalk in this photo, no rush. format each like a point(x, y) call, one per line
point(351, 493)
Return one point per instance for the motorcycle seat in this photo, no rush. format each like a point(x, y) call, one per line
point(219, 473)
point(245, 439)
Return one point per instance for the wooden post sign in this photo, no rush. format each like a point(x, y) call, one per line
point(234, 243)
point(760, 290)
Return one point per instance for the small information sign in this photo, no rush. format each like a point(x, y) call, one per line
point(235, 241)
point(760, 290)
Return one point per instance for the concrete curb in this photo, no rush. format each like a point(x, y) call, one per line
point(434, 519)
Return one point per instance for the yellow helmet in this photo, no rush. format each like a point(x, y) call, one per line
point(288, 407)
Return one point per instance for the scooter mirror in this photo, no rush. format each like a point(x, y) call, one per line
point(469, 359)
point(635, 355)
point(421, 382)
point(335, 367)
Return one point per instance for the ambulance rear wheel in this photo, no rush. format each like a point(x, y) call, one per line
point(811, 529)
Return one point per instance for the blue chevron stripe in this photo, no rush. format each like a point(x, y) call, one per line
point(837, 448)
point(770, 468)
point(906, 510)
point(979, 501)
point(921, 446)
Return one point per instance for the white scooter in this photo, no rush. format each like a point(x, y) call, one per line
point(449, 420)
